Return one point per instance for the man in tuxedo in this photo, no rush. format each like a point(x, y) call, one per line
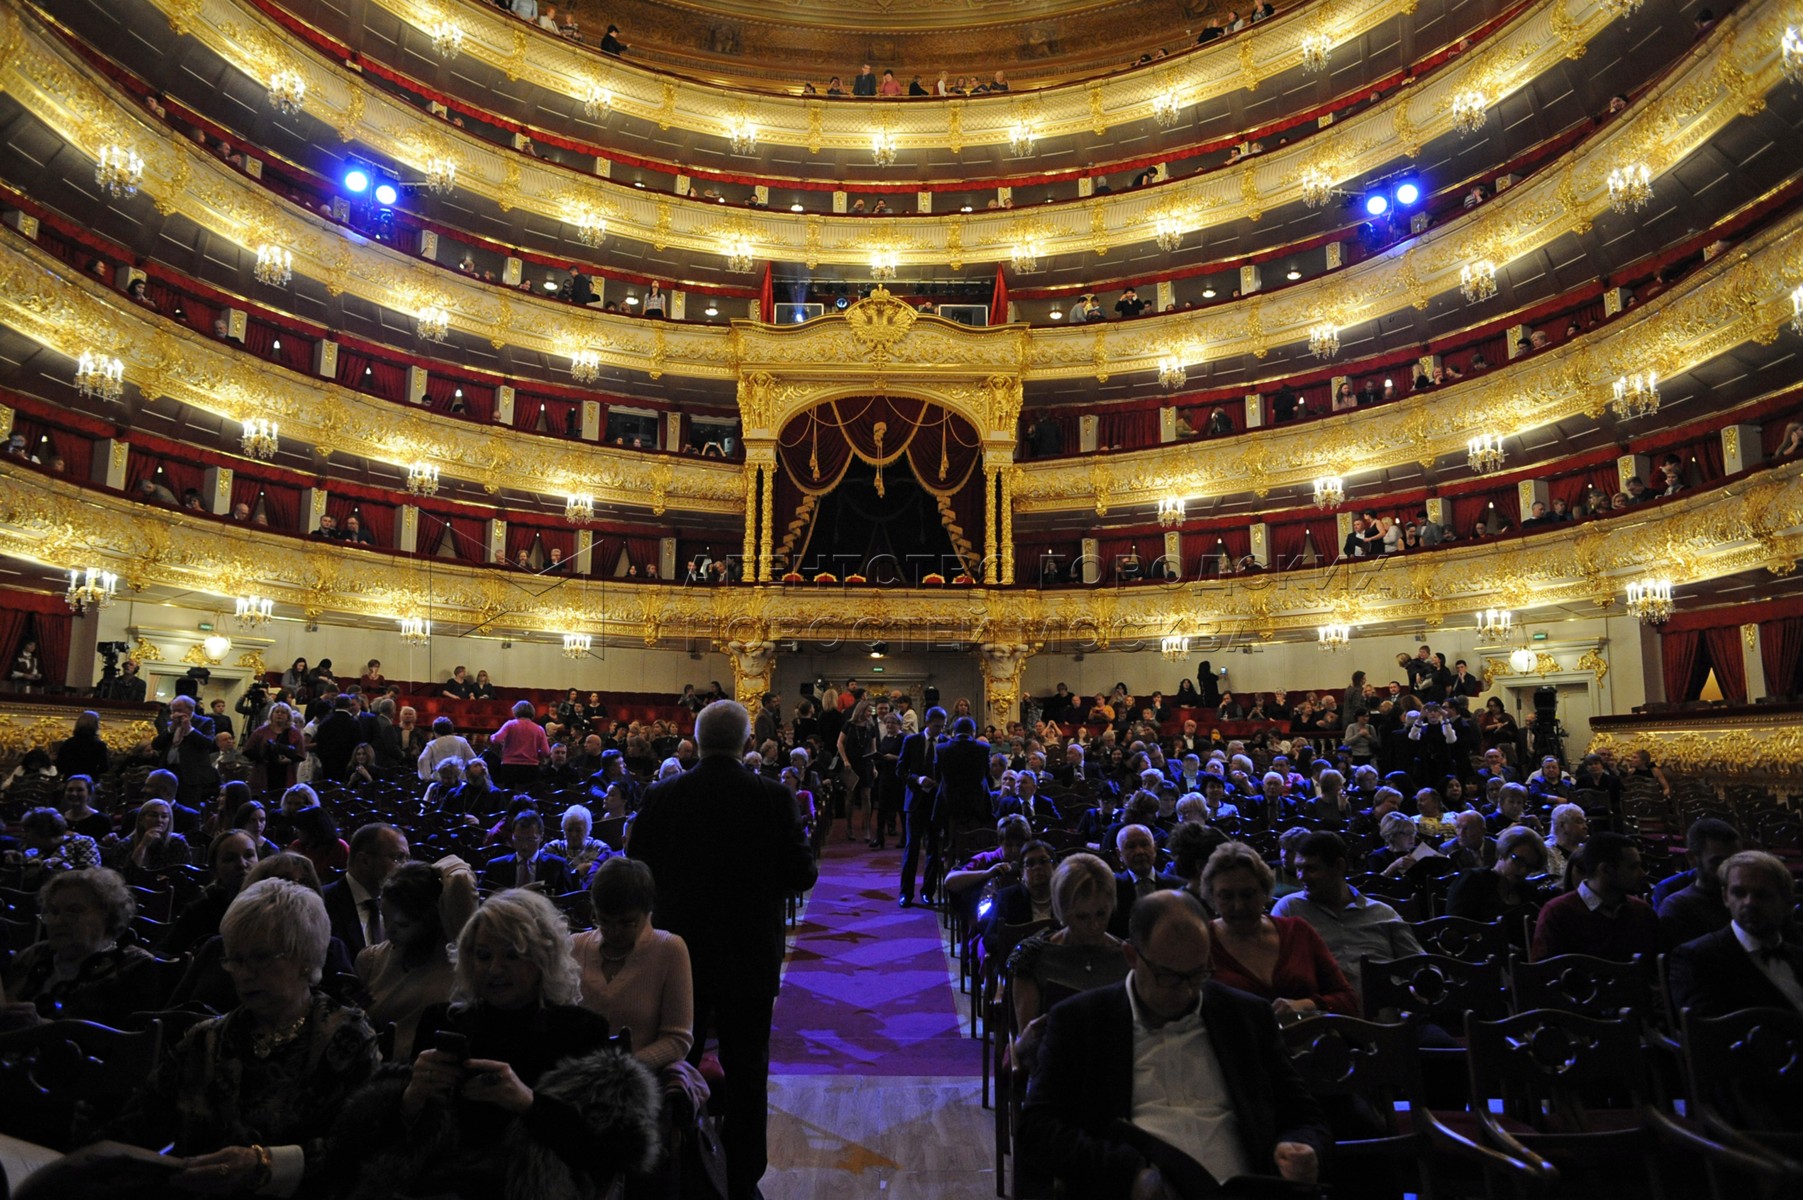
point(1168, 1067)
point(1755, 962)
point(723, 894)
point(335, 738)
point(918, 770)
point(1138, 851)
point(963, 774)
point(529, 865)
point(186, 747)
point(352, 902)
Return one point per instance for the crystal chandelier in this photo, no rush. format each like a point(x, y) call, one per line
point(596, 100)
point(99, 376)
point(118, 171)
point(579, 508)
point(422, 479)
point(92, 588)
point(591, 227)
point(1175, 648)
point(415, 631)
point(882, 265)
point(1170, 512)
point(882, 148)
point(1485, 453)
point(1650, 600)
point(1636, 395)
point(1171, 372)
point(1630, 187)
point(1495, 623)
point(1335, 636)
point(447, 39)
point(1522, 660)
point(739, 253)
point(577, 645)
point(432, 323)
point(287, 90)
point(1330, 491)
point(1316, 187)
point(254, 610)
point(1470, 108)
point(1790, 53)
point(1315, 49)
point(260, 439)
point(1796, 310)
point(1621, 8)
point(1167, 109)
point(441, 174)
point(1024, 257)
point(275, 265)
point(1167, 233)
point(585, 366)
point(1323, 341)
point(1021, 136)
point(1477, 281)
point(742, 135)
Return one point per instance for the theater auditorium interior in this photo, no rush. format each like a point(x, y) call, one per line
point(1088, 598)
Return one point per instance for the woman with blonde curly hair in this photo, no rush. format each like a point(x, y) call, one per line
point(521, 1094)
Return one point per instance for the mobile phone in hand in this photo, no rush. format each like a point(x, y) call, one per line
point(455, 1044)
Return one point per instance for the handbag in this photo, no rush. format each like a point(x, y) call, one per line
point(699, 1159)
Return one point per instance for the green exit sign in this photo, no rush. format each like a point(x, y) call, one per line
point(1540, 637)
point(206, 627)
point(876, 670)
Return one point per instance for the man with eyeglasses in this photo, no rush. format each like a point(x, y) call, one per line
point(354, 902)
point(1154, 1088)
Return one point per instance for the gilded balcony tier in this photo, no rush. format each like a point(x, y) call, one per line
point(1726, 76)
point(1760, 746)
point(1706, 536)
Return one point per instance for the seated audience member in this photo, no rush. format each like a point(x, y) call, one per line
point(1397, 856)
point(1511, 802)
point(354, 902)
point(1353, 925)
point(47, 845)
point(1137, 1056)
point(1191, 845)
point(1550, 782)
point(79, 970)
point(1500, 892)
point(1139, 876)
point(245, 1102)
point(316, 837)
point(1028, 900)
point(154, 846)
point(79, 811)
point(424, 907)
point(636, 976)
point(995, 866)
point(531, 1097)
point(1603, 916)
point(1470, 847)
point(231, 856)
point(1079, 954)
point(1689, 912)
point(1570, 828)
point(458, 686)
point(529, 864)
point(577, 847)
point(1756, 960)
point(1279, 959)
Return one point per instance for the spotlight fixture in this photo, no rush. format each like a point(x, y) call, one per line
point(1650, 600)
point(585, 366)
point(287, 91)
point(118, 171)
point(415, 631)
point(387, 193)
point(1334, 637)
point(1407, 194)
point(432, 323)
point(254, 610)
point(422, 479)
point(1495, 623)
point(261, 438)
point(1174, 648)
point(577, 645)
point(1636, 395)
point(1170, 512)
point(1484, 453)
point(90, 588)
point(356, 181)
point(1315, 50)
point(1323, 340)
point(1630, 187)
point(99, 376)
point(1330, 491)
point(1477, 280)
point(1377, 204)
point(274, 265)
point(447, 39)
point(1470, 109)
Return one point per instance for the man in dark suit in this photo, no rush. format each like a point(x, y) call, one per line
point(917, 769)
point(1168, 1057)
point(334, 739)
point(963, 774)
point(726, 849)
point(528, 865)
point(1138, 851)
point(1751, 963)
point(186, 747)
point(352, 901)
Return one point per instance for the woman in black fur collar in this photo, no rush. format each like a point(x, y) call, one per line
point(523, 1097)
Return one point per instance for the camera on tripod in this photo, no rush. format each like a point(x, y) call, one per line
point(1548, 734)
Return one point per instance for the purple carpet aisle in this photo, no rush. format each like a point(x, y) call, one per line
point(866, 991)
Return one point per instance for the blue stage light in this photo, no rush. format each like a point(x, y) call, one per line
point(1377, 204)
point(387, 193)
point(356, 181)
point(1407, 194)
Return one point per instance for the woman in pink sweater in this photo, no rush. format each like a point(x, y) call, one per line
point(523, 745)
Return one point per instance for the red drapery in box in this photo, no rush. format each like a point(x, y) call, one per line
point(1127, 430)
point(1204, 551)
point(942, 450)
point(549, 537)
point(281, 501)
point(55, 626)
point(469, 534)
point(1574, 487)
point(296, 351)
point(1290, 541)
point(562, 418)
point(641, 552)
point(1781, 650)
point(351, 366)
point(44, 441)
point(1678, 659)
point(478, 399)
point(1723, 643)
point(44, 616)
point(171, 473)
point(1468, 510)
point(387, 380)
point(378, 518)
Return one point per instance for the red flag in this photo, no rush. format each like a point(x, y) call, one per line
point(998, 303)
point(767, 298)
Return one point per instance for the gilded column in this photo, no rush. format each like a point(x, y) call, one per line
point(1001, 664)
point(1007, 505)
point(991, 559)
point(767, 535)
point(748, 563)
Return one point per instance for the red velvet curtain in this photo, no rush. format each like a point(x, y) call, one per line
point(1204, 551)
point(13, 623)
point(562, 418)
point(469, 535)
point(478, 398)
point(282, 504)
point(296, 352)
point(378, 518)
point(1126, 430)
point(1468, 510)
point(1723, 643)
point(1572, 488)
point(641, 552)
point(45, 441)
point(521, 537)
point(41, 615)
point(54, 630)
point(387, 380)
point(1290, 539)
point(1678, 652)
point(351, 366)
point(177, 476)
point(1781, 650)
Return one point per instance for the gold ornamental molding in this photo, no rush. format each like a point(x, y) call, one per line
point(1756, 525)
point(1740, 297)
point(1718, 83)
point(1090, 107)
point(39, 299)
point(27, 726)
point(1398, 127)
point(1750, 746)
